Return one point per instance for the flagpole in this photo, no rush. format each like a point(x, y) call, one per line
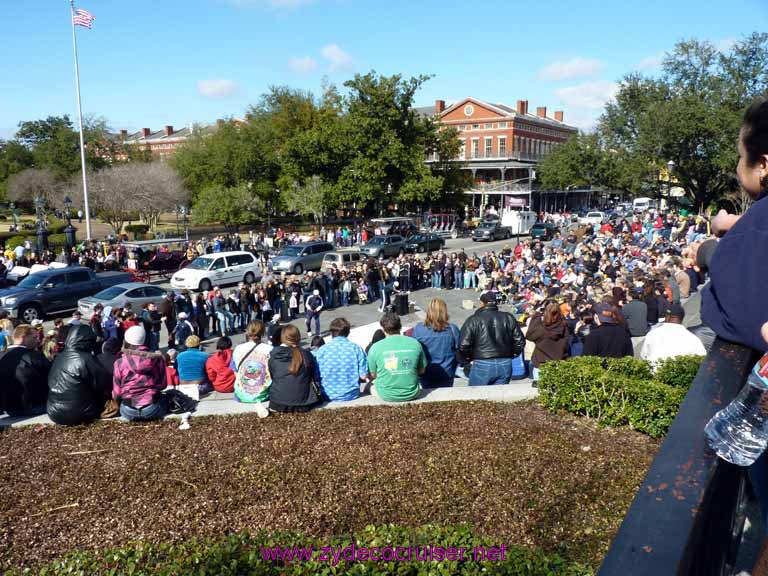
point(80, 120)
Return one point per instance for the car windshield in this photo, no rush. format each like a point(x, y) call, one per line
point(488, 225)
point(200, 263)
point(376, 241)
point(418, 237)
point(109, 293)
point(539, 226)
point(594, 215)
point(33, 281)
point(291, 251)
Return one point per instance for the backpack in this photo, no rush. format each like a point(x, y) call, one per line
point(252, 378)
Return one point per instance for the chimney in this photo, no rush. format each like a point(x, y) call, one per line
point(522, 106)
point(123, 135)
point(145, 132)
point(168, 130)
point(439, 106)
point(219, 123)
point(559, 115)
point(541, 111)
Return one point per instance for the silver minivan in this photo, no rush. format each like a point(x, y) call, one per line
point(297, 258)
point(342, 260)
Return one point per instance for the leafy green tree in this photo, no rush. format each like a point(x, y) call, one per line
point(690, 115)
point(14, 157)
point(311, 199)
point(232, 206)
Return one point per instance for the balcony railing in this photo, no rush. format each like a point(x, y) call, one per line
point(687, 517)
point(433, 157)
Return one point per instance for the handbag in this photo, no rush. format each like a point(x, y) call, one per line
point(178, 402)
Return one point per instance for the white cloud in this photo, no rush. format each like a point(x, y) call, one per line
point(571, 69)
point(216, 88)
point(337, 58)
point(651, 61)
point(588, 95)
point(303, 65)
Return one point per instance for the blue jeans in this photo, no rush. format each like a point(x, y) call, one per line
point(316, 318)
point(344, 298)
point(154, 341)
point(458, 279)
point(488, 372)
point(470, 280)
point(156, 411)
point(437, 279)
point(226, 321)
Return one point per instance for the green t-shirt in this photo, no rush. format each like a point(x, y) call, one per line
point(396, 361)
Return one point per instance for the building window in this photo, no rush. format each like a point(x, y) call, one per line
point(502, 124)
point(502, 146)
point(475, 126)
point(489, 147)
point(462, 148)
point(488, 125)
point(475, 147)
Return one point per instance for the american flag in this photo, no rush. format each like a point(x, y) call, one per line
point(83, 18)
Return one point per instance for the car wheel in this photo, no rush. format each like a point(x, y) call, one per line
point(30, 313)
point(421, 248)
point(250, 278)
point(205, 285)
point(298, 269)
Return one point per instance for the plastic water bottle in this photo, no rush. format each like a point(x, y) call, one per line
point(739, 432)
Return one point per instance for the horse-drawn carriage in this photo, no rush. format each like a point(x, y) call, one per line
point(150, 259)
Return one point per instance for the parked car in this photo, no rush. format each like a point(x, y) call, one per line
point(593, 218)
point(297, 258)
point(55, 290)
point(544, 231)
point(217, 269)
point(342, 259)
point(424, 242)
point(490, 230)
point(134, 293)
point(384, 246)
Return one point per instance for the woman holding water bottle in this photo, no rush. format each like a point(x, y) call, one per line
point(736, 311)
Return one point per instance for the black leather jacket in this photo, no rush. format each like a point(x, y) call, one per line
point(489, 333)
point(78, 384)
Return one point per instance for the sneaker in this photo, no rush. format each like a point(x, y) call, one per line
point(309, 334)
point(261, 411)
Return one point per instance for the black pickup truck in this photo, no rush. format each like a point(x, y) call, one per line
point(55, 290)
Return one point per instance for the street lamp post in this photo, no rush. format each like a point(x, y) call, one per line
point(670, 169)
point(185, 221)
point(42, 232)
point(69, 231)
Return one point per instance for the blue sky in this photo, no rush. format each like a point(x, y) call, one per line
point(148, 63)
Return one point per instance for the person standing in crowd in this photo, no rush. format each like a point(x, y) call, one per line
point(491, 339)
point(220, 374)
point(152, 324)
point(139, 379)
point(168, 315)
point(224, 317)
point(191, 366)
point(295, 377)
point(441, 340)
point(609, 337)
point(395, 363)
point(343, 364)
point(23, 375)
point(550, 334)
point(635, 313)
point(313, 306)
point(78, 385)
point(671, 338)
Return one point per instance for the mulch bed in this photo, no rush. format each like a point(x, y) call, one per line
point(511, 471)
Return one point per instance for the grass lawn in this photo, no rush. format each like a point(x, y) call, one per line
point(510, 471)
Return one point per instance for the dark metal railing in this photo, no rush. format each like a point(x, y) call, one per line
point(687, 516)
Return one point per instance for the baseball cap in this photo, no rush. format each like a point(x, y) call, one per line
point(676, 310)
point(488, 298)
point(603, 310)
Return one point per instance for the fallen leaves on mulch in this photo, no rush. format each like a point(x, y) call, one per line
point(511, 471)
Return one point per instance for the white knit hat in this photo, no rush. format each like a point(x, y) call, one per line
point(135, 336)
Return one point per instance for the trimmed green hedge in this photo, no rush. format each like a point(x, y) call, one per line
point(619, 392)
point(237, 554)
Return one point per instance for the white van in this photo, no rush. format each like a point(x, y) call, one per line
point(641, 204)
point(217, 269)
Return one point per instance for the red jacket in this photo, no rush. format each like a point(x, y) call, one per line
point(219, 373)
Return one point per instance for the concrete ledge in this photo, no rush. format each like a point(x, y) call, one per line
point(218, 404)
